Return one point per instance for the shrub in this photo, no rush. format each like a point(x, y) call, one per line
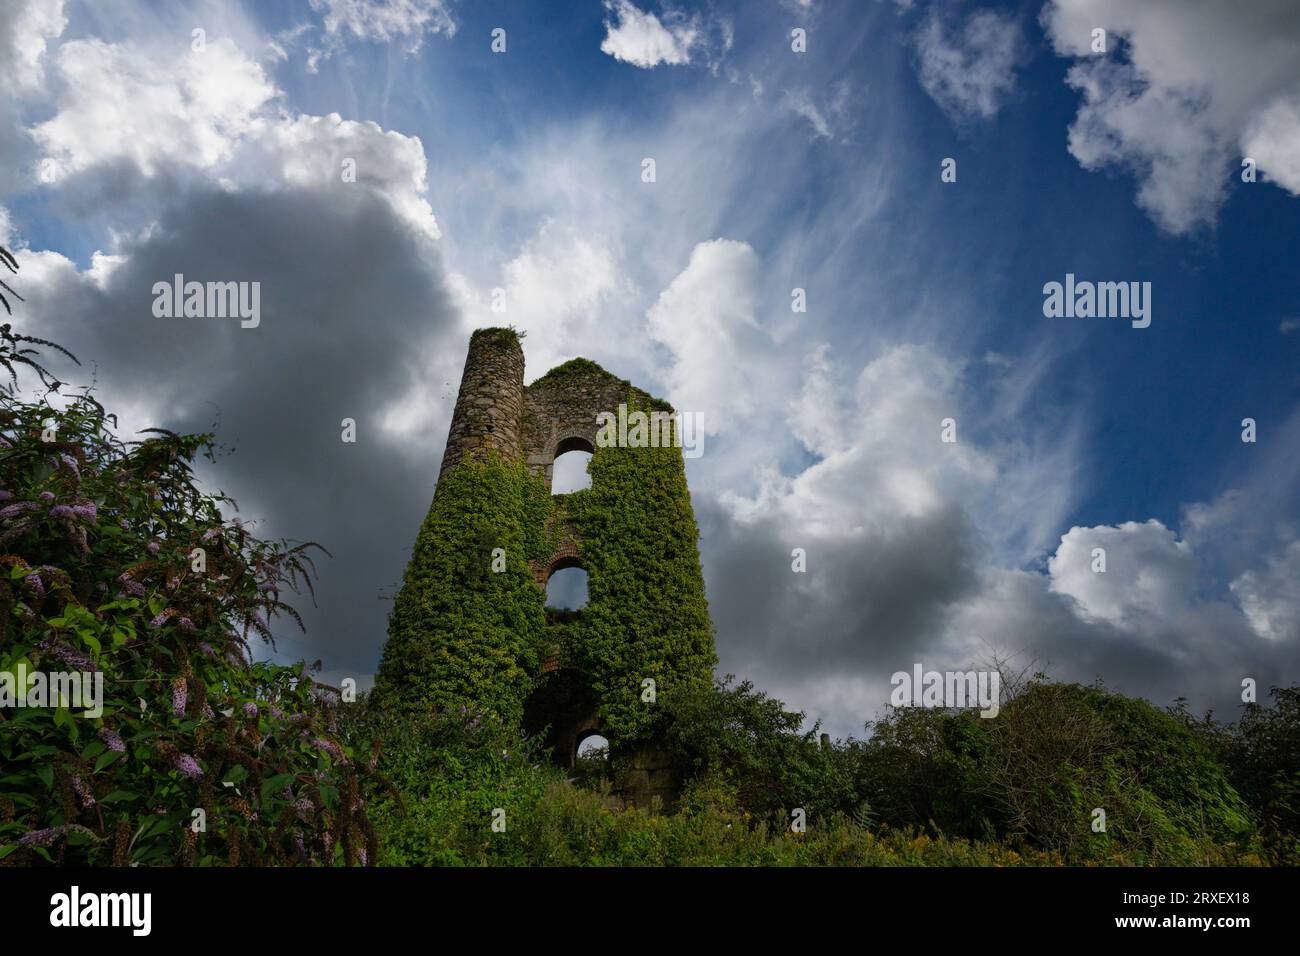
point(750, 738)
point(1034, 775)
point(113, 563)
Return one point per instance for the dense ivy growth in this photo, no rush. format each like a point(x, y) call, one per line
point(461, 634)
point(646, 615)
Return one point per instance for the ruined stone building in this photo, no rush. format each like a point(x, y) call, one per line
point(470, 627)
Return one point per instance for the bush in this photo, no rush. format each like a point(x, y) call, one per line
point(114, 564)
point(1262, 756)
point(749, 737)
point(1035, 774)
point(440, 775)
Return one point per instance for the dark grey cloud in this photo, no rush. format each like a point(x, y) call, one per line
point(926, 592)
point(865, 608)
point(353, 306)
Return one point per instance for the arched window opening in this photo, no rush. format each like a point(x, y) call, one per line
point(594, 747)
point(566, 589)
point(570, 472)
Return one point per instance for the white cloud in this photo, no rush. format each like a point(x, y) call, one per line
point(387, 20)
point(120, 104)
point(215, 115)
point(24, 30)
point(1270, 598)
point(1191, 89)
point(643, 40)
point(826, 119)
point(555, 287)
point(312, 150)
point(1272, 139)
point(969, 68)
point(707, 319)
point(1147, 571)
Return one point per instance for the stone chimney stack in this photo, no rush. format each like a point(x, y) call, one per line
point(491, 400)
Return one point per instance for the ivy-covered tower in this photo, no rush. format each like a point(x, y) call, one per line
point(469, 625)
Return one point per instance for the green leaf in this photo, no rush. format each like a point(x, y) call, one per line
point(107, 758)
point(7, 849)
point(78, 838)
point(273, 785)
point(46, 773)
point(117, 796)
point(93, 749)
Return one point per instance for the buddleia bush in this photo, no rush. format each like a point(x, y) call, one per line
point(114, 564)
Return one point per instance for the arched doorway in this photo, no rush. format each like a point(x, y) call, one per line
point(563, 707)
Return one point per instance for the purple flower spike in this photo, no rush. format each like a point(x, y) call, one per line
point(189, 766)
point(180, 693)
point(40, 837)
point(79, 785)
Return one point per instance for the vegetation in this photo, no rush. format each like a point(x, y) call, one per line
point(114, 565)
point(461, 635)
point(930, 787)
point(646, 616)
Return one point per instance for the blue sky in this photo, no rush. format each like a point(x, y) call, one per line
point(775, 169)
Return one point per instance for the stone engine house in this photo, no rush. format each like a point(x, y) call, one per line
point(496, 412)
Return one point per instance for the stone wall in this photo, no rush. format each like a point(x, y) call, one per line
point(560, 416)
point(644, 775)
